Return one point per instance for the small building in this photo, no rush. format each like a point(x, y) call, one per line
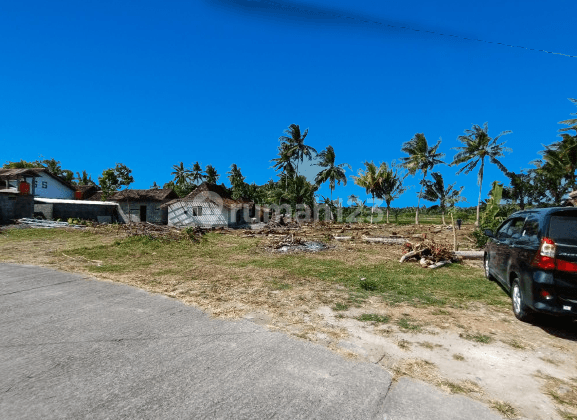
point(140, 205)
point(42, 182)
point(209, 205)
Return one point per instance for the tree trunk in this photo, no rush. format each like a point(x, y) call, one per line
point(480, 189)
point(443, 216)
point(419, 201)
point(387, 213)
point(454, 233)
point(372, 208)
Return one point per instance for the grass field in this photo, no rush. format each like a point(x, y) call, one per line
point(243, 260)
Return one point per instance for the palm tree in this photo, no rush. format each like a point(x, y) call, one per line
point(196, 173)
point(370, 180)
point(284, 161)
point(562, 156)
point(572, 123)
point(236, 181)
point(211, 174)
point(421, 158)
point(296, 144)
point(332, 173)
point(478, 146)
point(435, 191)
point(181, 174)
point(391, 184)
point(84, 179)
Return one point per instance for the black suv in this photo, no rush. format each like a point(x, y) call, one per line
point(533, 254)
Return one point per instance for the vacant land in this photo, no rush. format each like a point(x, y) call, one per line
point(448, 326)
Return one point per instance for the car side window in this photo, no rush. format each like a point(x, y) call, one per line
point(516, 228)
point(503, 233)
point(530, 233)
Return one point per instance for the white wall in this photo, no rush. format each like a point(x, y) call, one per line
point(54, 189)
point(181, 214)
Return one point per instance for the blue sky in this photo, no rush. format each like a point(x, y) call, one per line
point(153, 83)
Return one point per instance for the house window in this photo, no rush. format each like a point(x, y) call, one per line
point(44, 184)
point(197, 211)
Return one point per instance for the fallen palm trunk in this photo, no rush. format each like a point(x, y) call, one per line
point(470, 255)
point(384, 240)
point(343, 238)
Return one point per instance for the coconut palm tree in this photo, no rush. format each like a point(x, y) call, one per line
point(196, 174)
point(391, 184)
point(562, 156)
point(370, 180)
point(332, 173)
point(211, 174)
point(296, 142)
point(478, 145)
point(181, 174)
point(284, 161)
point(421, 158)
point(435, 191)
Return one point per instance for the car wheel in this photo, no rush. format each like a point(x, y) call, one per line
point(486, 267)
point(520, 309)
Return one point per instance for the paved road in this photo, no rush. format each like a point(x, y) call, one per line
point(74, 348)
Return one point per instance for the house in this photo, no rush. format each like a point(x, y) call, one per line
point(140, 205)
point(42, 182)
point(209, 205)
point(16, 200)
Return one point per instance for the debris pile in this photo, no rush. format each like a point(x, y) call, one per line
point(161, 232)
point(46, 224)
point(290, 243)
point(429, 254)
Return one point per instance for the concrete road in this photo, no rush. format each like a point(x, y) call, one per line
point(75, 348)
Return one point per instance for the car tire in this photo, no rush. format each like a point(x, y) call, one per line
point(520, 309)
point(488, 275)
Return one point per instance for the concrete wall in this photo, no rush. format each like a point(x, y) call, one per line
point(85, 211)
point(14, 206)
point(154, 214)
point(181, 214)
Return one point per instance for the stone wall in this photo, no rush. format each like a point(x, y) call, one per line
point(14, 206)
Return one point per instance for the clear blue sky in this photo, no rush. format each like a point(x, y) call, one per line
point(153, 83)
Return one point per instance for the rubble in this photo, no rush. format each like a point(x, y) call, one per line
point(161, 232)
point(429, 254)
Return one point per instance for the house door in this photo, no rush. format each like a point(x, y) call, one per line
point(143, 213)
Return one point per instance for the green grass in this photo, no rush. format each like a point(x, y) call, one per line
point(478, 337)
point(451, 286)
point(408, 324)
point(340, 307)
point(378, 319)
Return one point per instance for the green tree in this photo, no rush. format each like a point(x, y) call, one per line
point(421, 158)
point(572, 122)
point(391, 186)
point(181, 174)
point(284, 162)
point(113, 179)
point(296, 144)
point(196, 173)
point(236, 180)
point(84, 179)
point(212, 175)
point(478, 145)
point(332, 173)
point(370, 179)
point(435, 191)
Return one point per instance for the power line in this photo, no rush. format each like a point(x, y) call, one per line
point(408, 28)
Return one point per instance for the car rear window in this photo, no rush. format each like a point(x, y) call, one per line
point(563, 229)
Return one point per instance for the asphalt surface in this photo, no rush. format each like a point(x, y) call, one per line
point(73, 348)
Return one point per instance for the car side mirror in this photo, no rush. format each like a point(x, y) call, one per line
point(489, 233)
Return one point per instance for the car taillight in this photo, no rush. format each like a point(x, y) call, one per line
point(545, 257)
